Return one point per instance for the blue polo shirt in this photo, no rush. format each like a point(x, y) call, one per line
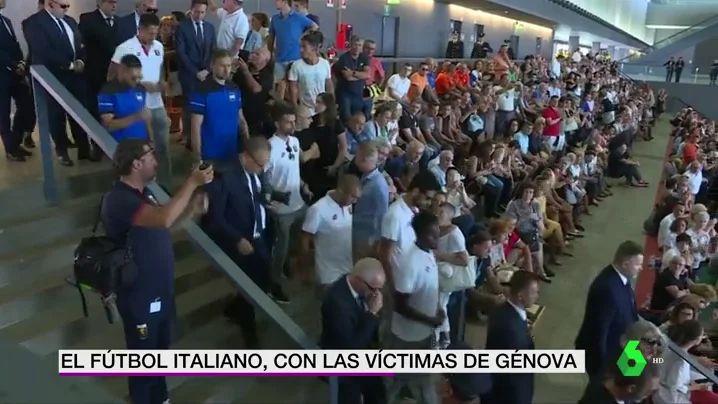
point(220, 105)
point(287, 31)
point(151, 249)
point(345, 86)
point(122, 100)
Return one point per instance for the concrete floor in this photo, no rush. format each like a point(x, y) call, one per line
point(618, 218)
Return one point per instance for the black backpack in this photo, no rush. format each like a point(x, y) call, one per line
point(103, 265)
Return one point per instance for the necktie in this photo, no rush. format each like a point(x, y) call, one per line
point(200, 33)
point(257, 206)
point(61, 25)
point(110, 21)
point(361, 302)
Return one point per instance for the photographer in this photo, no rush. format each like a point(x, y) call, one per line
point(255, 78)
point(130, 214)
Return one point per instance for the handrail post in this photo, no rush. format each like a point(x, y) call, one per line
point(49, 183)
point(333, 390)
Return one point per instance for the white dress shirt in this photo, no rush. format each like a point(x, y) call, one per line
point(664, 230)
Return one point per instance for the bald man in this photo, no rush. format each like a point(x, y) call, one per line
point(414, 158)
point(328, 225)
point(350, 320)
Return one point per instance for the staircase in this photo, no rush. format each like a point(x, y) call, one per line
point(42, 312)
point(660, 51)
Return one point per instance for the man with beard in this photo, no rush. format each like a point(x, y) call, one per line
point(216, 108)
point(256, 79)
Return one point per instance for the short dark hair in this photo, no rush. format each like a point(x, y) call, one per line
point(683, 238)
point(131, 61)
point(677, 309)
point(423, 220)
point(126, 153)
point(480, 237)
point(148, 20)
point(220, 54)
point(425, 181)
point(685, 332)
point(199, 3)
point(255, 144)
point(520, 280)
point(627, 250)
point(282, 108)
point(314, 38)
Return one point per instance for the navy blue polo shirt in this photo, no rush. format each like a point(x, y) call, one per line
point(123, 100)
point(220, 105)
point(151, 249)
point(345, 86)
point(287, 32)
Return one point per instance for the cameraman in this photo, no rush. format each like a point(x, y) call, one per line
point(255, 78)
point(130, 214)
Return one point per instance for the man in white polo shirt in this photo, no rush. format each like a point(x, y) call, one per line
point(505, 102)
point(151, 53)
point(329, 225)
point(417, 314)
point(233, 25)
point(397, 87)
point(288, 191)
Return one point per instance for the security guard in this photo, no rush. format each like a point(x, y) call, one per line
point(131, 214)
point(216, 108)
point(121, 103)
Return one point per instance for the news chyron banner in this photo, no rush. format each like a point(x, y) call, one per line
point(314, 362)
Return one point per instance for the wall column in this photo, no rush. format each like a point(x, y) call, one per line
point(621, 53)
point(611, 51)
point(595, 47)
point(572, 43)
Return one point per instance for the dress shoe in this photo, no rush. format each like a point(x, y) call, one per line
point(15, 157)
point(28, 142)
point(66, 161)
point(548, 272)
point(23, 152)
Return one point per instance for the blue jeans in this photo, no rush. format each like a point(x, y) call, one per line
point(456, 313)
point(350, 104)
point(492, 196)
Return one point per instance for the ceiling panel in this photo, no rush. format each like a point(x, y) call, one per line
point(498, 9)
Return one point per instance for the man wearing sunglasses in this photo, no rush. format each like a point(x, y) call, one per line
point(128, 25)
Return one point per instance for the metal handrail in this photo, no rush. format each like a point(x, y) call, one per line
point(45, 85)
point(671, 38)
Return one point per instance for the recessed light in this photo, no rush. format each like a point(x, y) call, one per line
point(506, 12)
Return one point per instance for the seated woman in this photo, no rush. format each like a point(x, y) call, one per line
point(679, 226)
point(479, 174)
point(456, 195)
point(552, 233)
point(592, 176)
point(557, 209)
point(518, 253)
point(677, 384)
point(621, 166)
point(501, 170)
point(530, 224)
point(670, 284)
point(701, 231)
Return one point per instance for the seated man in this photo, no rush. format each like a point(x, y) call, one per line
point(414, 157)
point(620, 165)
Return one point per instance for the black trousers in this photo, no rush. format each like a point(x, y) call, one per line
point(58, 117)
point(12, 130)
point(352, 389)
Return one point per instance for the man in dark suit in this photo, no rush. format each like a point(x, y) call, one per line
point(350, 321)
point(99, 31)
point(509, 330)
point(195, 39)
point(13, 87)
point(614, 387)
point(55, 41)
point(27, 138)
point(610, 307)
point(237, 222)
point(127, 26)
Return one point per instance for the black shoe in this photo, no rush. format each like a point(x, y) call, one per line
point(21, 151)
point(579, 227)
point(15, 157)
point(278, 295)
point(89, 157)
point(545, 279)
point(28, 142)
point(548, 272)
point(66, 161)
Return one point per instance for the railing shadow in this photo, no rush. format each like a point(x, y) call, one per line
point(46, 87)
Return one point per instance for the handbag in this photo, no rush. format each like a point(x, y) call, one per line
point(453, 278)
point(474, 123)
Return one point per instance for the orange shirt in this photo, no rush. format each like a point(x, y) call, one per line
point(418, 84)
point(690, 152)
point(444, 83)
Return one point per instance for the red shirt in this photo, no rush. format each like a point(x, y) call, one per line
point(551, 130)
point(444, 83)
point(511, 242)
point(461, 79)
point(376, 71)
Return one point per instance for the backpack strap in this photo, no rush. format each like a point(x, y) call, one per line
point(82, 299)
point(98, 218)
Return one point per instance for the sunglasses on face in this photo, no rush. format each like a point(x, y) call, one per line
point(62, 6)
point(152, 10)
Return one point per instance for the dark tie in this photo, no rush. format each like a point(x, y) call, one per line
point(631, 299)
point(110, 21)
point(361, 302)
point(200, 32)
point(257, 205)
point(64, 33)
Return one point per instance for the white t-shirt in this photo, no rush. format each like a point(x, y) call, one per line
point(418, 277)
point(311, 80)
point(694, 180)
point(399, 84)
point(506, 101)
point(664, 229)
point(396, 226)
point(231, 27)
point(283, 171)
point(152, 61)
point(452, 242)
point(331, 225)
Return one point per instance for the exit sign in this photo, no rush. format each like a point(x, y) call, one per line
point(393, 1)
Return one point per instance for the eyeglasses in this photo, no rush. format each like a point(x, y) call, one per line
point(62, 6)
point(651, 341)
point(371, 288)
point(290, 151)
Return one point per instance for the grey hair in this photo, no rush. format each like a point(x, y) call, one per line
point(381, 143)
point(643, 329)
point(701, 216)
